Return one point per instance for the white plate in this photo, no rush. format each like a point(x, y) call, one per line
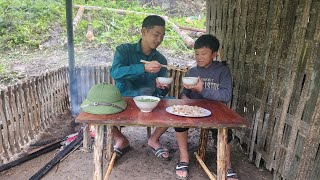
point(204, 114)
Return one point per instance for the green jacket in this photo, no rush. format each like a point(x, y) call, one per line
point(128, 72)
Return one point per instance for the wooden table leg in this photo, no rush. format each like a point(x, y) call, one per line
point(109, 142)
point(203, 143)
point(221, 154)
point(98, 152)
point(87, 142)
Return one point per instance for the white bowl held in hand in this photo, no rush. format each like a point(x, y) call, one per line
point(190, 81)
point(165, 80)
point(146, 103)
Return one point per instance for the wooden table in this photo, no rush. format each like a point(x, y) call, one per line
point(221, 118)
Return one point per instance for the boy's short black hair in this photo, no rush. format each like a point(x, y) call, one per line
point(207, 40)
point(153, 20)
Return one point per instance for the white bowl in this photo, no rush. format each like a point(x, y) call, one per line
point(165, 80)
point(146, 103)
point(190, 81)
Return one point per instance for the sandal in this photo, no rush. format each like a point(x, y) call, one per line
point(160, 152)
point(182, 166)
point(231, 174)
point(120, 152)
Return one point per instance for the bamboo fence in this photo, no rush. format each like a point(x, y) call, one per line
point(28, 108)
point(273, 51)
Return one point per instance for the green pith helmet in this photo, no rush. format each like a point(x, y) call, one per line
point(104, 99)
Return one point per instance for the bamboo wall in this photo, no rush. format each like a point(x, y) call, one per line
point(28, 108)
point(87, 76)
point(273, 51)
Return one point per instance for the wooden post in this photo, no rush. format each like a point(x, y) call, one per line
point(221, 154)
point(203, 143)
point(97, 153)
point(109, 142)
point(205, 168)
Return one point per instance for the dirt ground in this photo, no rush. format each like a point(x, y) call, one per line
point(137, 164)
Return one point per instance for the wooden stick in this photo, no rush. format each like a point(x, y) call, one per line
point(114, 155)
point(70, 152)
point(205, 168)
point(192, 29)
point(194, 34)
point(78, 17)
point(189, 42)
point(166, 66)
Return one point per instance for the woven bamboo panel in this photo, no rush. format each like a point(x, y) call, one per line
point(272, 48)
point(87, 76)
point(28, 108)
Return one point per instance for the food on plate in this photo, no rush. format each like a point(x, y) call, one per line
point(188, 110)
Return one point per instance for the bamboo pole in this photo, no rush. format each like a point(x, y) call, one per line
point(5, 142)
point(114, 155)
point(12, 128)
point(15, 116)
point(205, 168)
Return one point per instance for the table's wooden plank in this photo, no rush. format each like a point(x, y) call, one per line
point(221, 116)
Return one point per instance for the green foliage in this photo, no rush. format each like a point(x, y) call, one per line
point(2, 68)
point(195, 22)
point(26, 23)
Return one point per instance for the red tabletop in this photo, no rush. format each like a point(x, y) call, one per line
point(221, 116)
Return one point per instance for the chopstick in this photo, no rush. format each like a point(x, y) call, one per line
point(166, 66)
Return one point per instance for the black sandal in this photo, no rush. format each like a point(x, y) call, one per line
point(231, 174)
point(182, 166)
point(120, 152)
point(160, 152)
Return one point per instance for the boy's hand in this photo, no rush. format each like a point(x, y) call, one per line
point(162, 86)
point(152, 67)
point(198, 87)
